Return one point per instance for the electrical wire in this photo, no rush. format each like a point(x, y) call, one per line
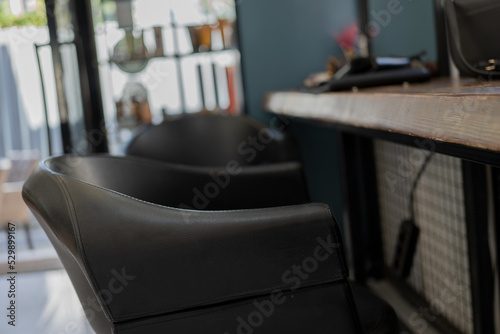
point(415, 184)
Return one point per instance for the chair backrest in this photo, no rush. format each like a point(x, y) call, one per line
point(152, 268)
point(213, 140)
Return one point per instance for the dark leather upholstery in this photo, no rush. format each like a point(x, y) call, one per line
point(213, 140)
point(140, 264)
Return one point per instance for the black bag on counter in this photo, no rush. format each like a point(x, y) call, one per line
point(474, 36)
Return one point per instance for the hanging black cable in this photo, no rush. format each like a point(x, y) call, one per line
point(408, 233)
point(415, 184)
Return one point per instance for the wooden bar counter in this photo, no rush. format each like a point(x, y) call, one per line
point(464, 113)
point(458, 118)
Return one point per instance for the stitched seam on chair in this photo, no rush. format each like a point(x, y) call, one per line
point(80, 247)
point(289, 292)
point(44, 214)
point(230, 297)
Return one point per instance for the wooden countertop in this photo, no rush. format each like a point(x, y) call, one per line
point(465, 112)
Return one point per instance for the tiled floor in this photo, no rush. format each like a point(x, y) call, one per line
point(46, 304)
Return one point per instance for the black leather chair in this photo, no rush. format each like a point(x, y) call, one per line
point(221, 141)
point(213, 140)
point(141, 264)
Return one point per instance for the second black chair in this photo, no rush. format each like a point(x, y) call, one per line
point(213, 140)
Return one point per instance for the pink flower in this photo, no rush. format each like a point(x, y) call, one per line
point(348, 37)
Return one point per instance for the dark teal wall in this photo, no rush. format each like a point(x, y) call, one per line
point(282, 42)
point(408, 30)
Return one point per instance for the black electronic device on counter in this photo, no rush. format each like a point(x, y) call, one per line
point(373, 78)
